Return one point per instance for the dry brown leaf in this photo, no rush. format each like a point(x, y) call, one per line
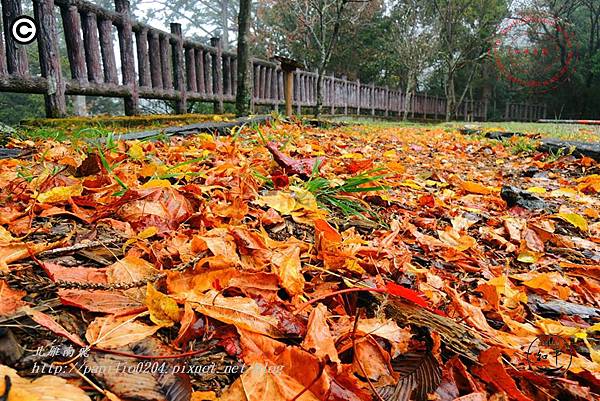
point(115, 332)
point(163, 309)
point(131, 269)
point(318, 336)
point(289, 269)
point(242, 312)
point(44, 388)
point(11, 299)
point(373, 362)
point(255, 385)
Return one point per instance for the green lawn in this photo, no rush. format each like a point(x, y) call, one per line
point(571, 132)
point(80, 128)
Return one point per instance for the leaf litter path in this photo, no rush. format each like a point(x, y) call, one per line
point(294, 263)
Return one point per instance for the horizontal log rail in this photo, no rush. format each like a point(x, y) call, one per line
point(524, 112)
point(150, 63)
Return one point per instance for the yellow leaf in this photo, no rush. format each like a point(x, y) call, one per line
point(204, 396)
point(527, 256)
point(390, 154)
point(204, 137)
point(541, 281)
point(475, 188)
point(352, 156)
point(44, 388)
point(575, 219)
point(594, 353)
point(283, 202)
point(567, 192)
point(163, 309)
point(157, 184)
point(60, 194)
point(395, 167)
point(410, 183)
point(148, 170)
point(5, 235)
point(289, 269)
point(550, 326)
point(537, 190)
point(354, 266)
point(304, 199)
point(146, 233)
point(135, 151)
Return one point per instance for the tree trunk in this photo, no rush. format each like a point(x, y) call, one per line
point(408, 96)
point(79, 106)
point(225, 23)
point(450, 96)
point(244, 85)
point(319, 105)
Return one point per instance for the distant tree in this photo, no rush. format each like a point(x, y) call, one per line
point(466, 29)
point(317, 25)
point(243, 95)
point(414, 38)
point(199, 18)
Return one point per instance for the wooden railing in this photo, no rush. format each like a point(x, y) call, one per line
point(154, 64)
point(524, 112)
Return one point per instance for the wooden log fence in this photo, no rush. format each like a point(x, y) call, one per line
point(154, 64)
point(524, 112)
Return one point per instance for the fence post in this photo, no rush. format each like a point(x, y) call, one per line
point(298, 92)
point(143, 57)
point(387, 101)
point(372, 98)
point(127, 59)
point(74, 42)
point(16, 56)
point(190, 69)
point(358, 97)
point(227, 75)
point(178, 66)
point(288, 67)
point(154, 56)
point(165, 62)
point(332, 94)
point(91, 45)
point(107, 49)
point(217, 68)
point(400, 103)
point(50, 58)
point(345, 94)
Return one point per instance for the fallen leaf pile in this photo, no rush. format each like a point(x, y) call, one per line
point(288, 262)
